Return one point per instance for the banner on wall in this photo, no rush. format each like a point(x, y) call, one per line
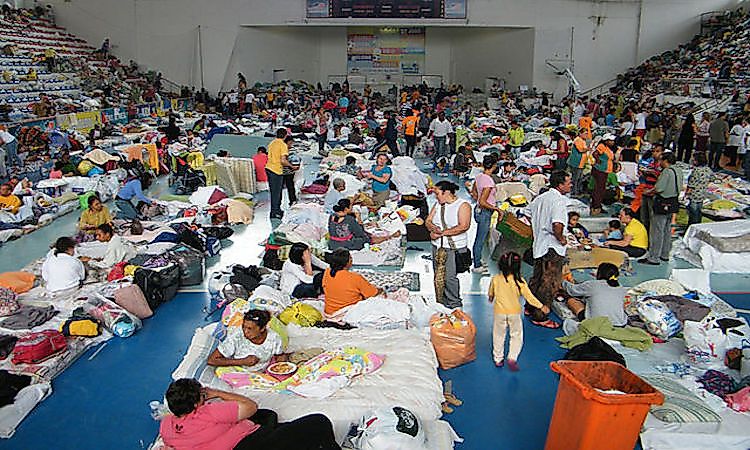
point(385, 50)
point(318, 8)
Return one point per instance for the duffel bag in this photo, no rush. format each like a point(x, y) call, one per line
point(191, 262)
point(37, 347)
point(218, 232)
point(132, 300)
point(158, 285)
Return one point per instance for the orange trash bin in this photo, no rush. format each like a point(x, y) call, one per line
point(586, 418)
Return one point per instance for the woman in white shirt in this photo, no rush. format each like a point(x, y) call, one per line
point(251, 346)
point(297, 276)
point(62, 270)
point(118, 249)
point(736, 138)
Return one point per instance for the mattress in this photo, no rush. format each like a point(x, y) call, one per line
point(710, 246)
point(408, 378)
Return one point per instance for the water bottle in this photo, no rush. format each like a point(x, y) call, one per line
point(158, 409)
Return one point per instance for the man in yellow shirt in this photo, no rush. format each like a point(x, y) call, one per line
point(410, 131)
point(515, 138)
point(635, 237)
point(277, 160)
point(9, 202)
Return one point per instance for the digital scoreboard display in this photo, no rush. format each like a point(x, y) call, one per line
point(387, 9)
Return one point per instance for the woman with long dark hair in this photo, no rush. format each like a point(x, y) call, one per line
point(601, 297)
point(341, 287)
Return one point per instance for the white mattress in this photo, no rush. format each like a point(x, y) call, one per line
point(408, 378)
point(698, 252)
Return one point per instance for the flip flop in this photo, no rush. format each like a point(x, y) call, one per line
point(549, 323)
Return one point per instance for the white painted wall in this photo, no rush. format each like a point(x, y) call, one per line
point(163, 33)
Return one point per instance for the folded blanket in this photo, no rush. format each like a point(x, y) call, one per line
point(601, 326)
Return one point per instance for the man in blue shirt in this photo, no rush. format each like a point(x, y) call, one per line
point(132, 188)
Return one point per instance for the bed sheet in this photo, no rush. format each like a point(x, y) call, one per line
point(408, 378)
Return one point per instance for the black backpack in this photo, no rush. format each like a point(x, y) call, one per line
point(594, 350)
point(248, 277)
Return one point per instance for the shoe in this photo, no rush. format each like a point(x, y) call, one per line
point(445, 408)
point(648, 261)
point(453, 400)
point(480, 270)
point(513, 366)
point(499, 363)
point(664, 259)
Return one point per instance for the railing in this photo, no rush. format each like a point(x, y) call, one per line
point(599, 88)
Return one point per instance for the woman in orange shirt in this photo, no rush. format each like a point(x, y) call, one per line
point(343, 288)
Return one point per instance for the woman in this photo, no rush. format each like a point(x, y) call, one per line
point(62, 270)
point(603, 166)
point(343, 288)
point(118, 249)
point(686, 139)
point(321, 128)
point(297, 276)
point(603, 297)
point(250, 347)
point(560, 146)
point(702, 134)
point(486, 205)
point(233, 421)
point(380, 174)
point(133, 187)
point(736, 140)
point(700, 176)
point(448, 223)
point(97, 214)
point(345, 231)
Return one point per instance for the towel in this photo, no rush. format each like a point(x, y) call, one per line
point(601, 326)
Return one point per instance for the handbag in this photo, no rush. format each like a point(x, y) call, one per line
point(463, 255)
point(671, 205)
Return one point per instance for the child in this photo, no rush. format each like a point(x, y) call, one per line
point(350, 167)
point(614, 232)
point(574, 227)
point(56, 173)
point(603, 297)
point(505, 292)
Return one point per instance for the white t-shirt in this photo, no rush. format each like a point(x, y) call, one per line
point(7, 137)
point(736, 135)
point(627, 128)
point(292, 275)
point(233, 98)
point(745, 140)
point(547, 209)
point(451, 220)
point(249, 98)
point(640, 121)
point(237, 346)
point(62, 271)
point(441, 129)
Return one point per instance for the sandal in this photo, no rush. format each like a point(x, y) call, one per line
point(446, 409)
point(549, 323)
point(452, 400)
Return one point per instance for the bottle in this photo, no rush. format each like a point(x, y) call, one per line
point(158, 409)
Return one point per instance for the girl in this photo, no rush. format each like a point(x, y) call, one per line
point(601, 297)
point(505, 292)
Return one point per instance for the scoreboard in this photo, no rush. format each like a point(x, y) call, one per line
point(385, 9)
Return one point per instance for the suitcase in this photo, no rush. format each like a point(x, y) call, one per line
point(191, 262)
point(158, 285)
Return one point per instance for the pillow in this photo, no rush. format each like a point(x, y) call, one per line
point(18, 282)
point(195, 360)
point(680, 405)
point(131, 298)
point(660, 287)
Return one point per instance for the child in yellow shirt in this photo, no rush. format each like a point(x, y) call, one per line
point(505, 292)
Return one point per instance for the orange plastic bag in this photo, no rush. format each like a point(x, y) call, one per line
point(18, 282)
point(453, 337)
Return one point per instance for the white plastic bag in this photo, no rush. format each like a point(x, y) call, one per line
point(745, 362)
point(391, 429)
point(660, 320)
point(705, 344)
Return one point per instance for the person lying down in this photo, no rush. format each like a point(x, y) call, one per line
point(251, 347)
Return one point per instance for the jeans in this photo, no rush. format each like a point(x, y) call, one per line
point(515, 151)
point(577, 178)
point(746, 165)
point(441, 149)
point(313, 431)
point(660, 237)
point(647, 210)
point(411, 143)
point(483, 218)
point(309, 290)
point(684, 150)
point(322, 142)
point(715, 149)
point(633, 252)
point(695, 214)
point(126, 209)
point(452, 290)
point(275, 185)
point(11, 152)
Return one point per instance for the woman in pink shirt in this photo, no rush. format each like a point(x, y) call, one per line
point(235, 422)
point(486, 205)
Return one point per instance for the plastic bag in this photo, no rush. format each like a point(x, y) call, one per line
point(301, 314)
point(745, 364)
point(394, 428)
point(659, 319)
point(705, 344)
point(453, 337)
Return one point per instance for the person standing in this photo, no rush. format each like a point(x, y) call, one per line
point(668, 188)
point(278, 152)
point(448, 223)
point(549, 216)
point(485, 207)
point(649, 168)
point(604, 158)
point(10, 145)
point(718, 134)
point(640, 124)
point(321, 129)
point(577, 161)
point(736, 137)
point(702, 135)
point(409, 123)
point(686, 139)
point(516, 136)
point(381, 174)
point(700, 176)
point(439, 130)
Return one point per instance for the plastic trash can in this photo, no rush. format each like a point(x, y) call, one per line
point(585, 418)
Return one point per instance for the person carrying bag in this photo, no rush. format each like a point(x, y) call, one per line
point(666, 203)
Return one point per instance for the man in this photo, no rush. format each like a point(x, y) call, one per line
point(634, 240)
point(668, 186)
point(718, 134)
point(649, 169)
point(439, 130)
point(549, 217)
point(391, 133)
point(516, 136)
point(118, 249)
point(409, 123)
point(577, 161)
point(10, 145)
point(278, 152)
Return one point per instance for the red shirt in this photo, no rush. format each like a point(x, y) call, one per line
point(213, 426)
point(259, 161)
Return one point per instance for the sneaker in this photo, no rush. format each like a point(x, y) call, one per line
point(499, 363)
point(513, 366)
point(482, 270)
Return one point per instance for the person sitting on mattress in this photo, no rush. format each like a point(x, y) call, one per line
point(118, 249)
point(251, 346)
point(96, 214)
point(62, 270)
point(205, 418)
point(297, 276)
point(345, 231)
point(341, 287)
